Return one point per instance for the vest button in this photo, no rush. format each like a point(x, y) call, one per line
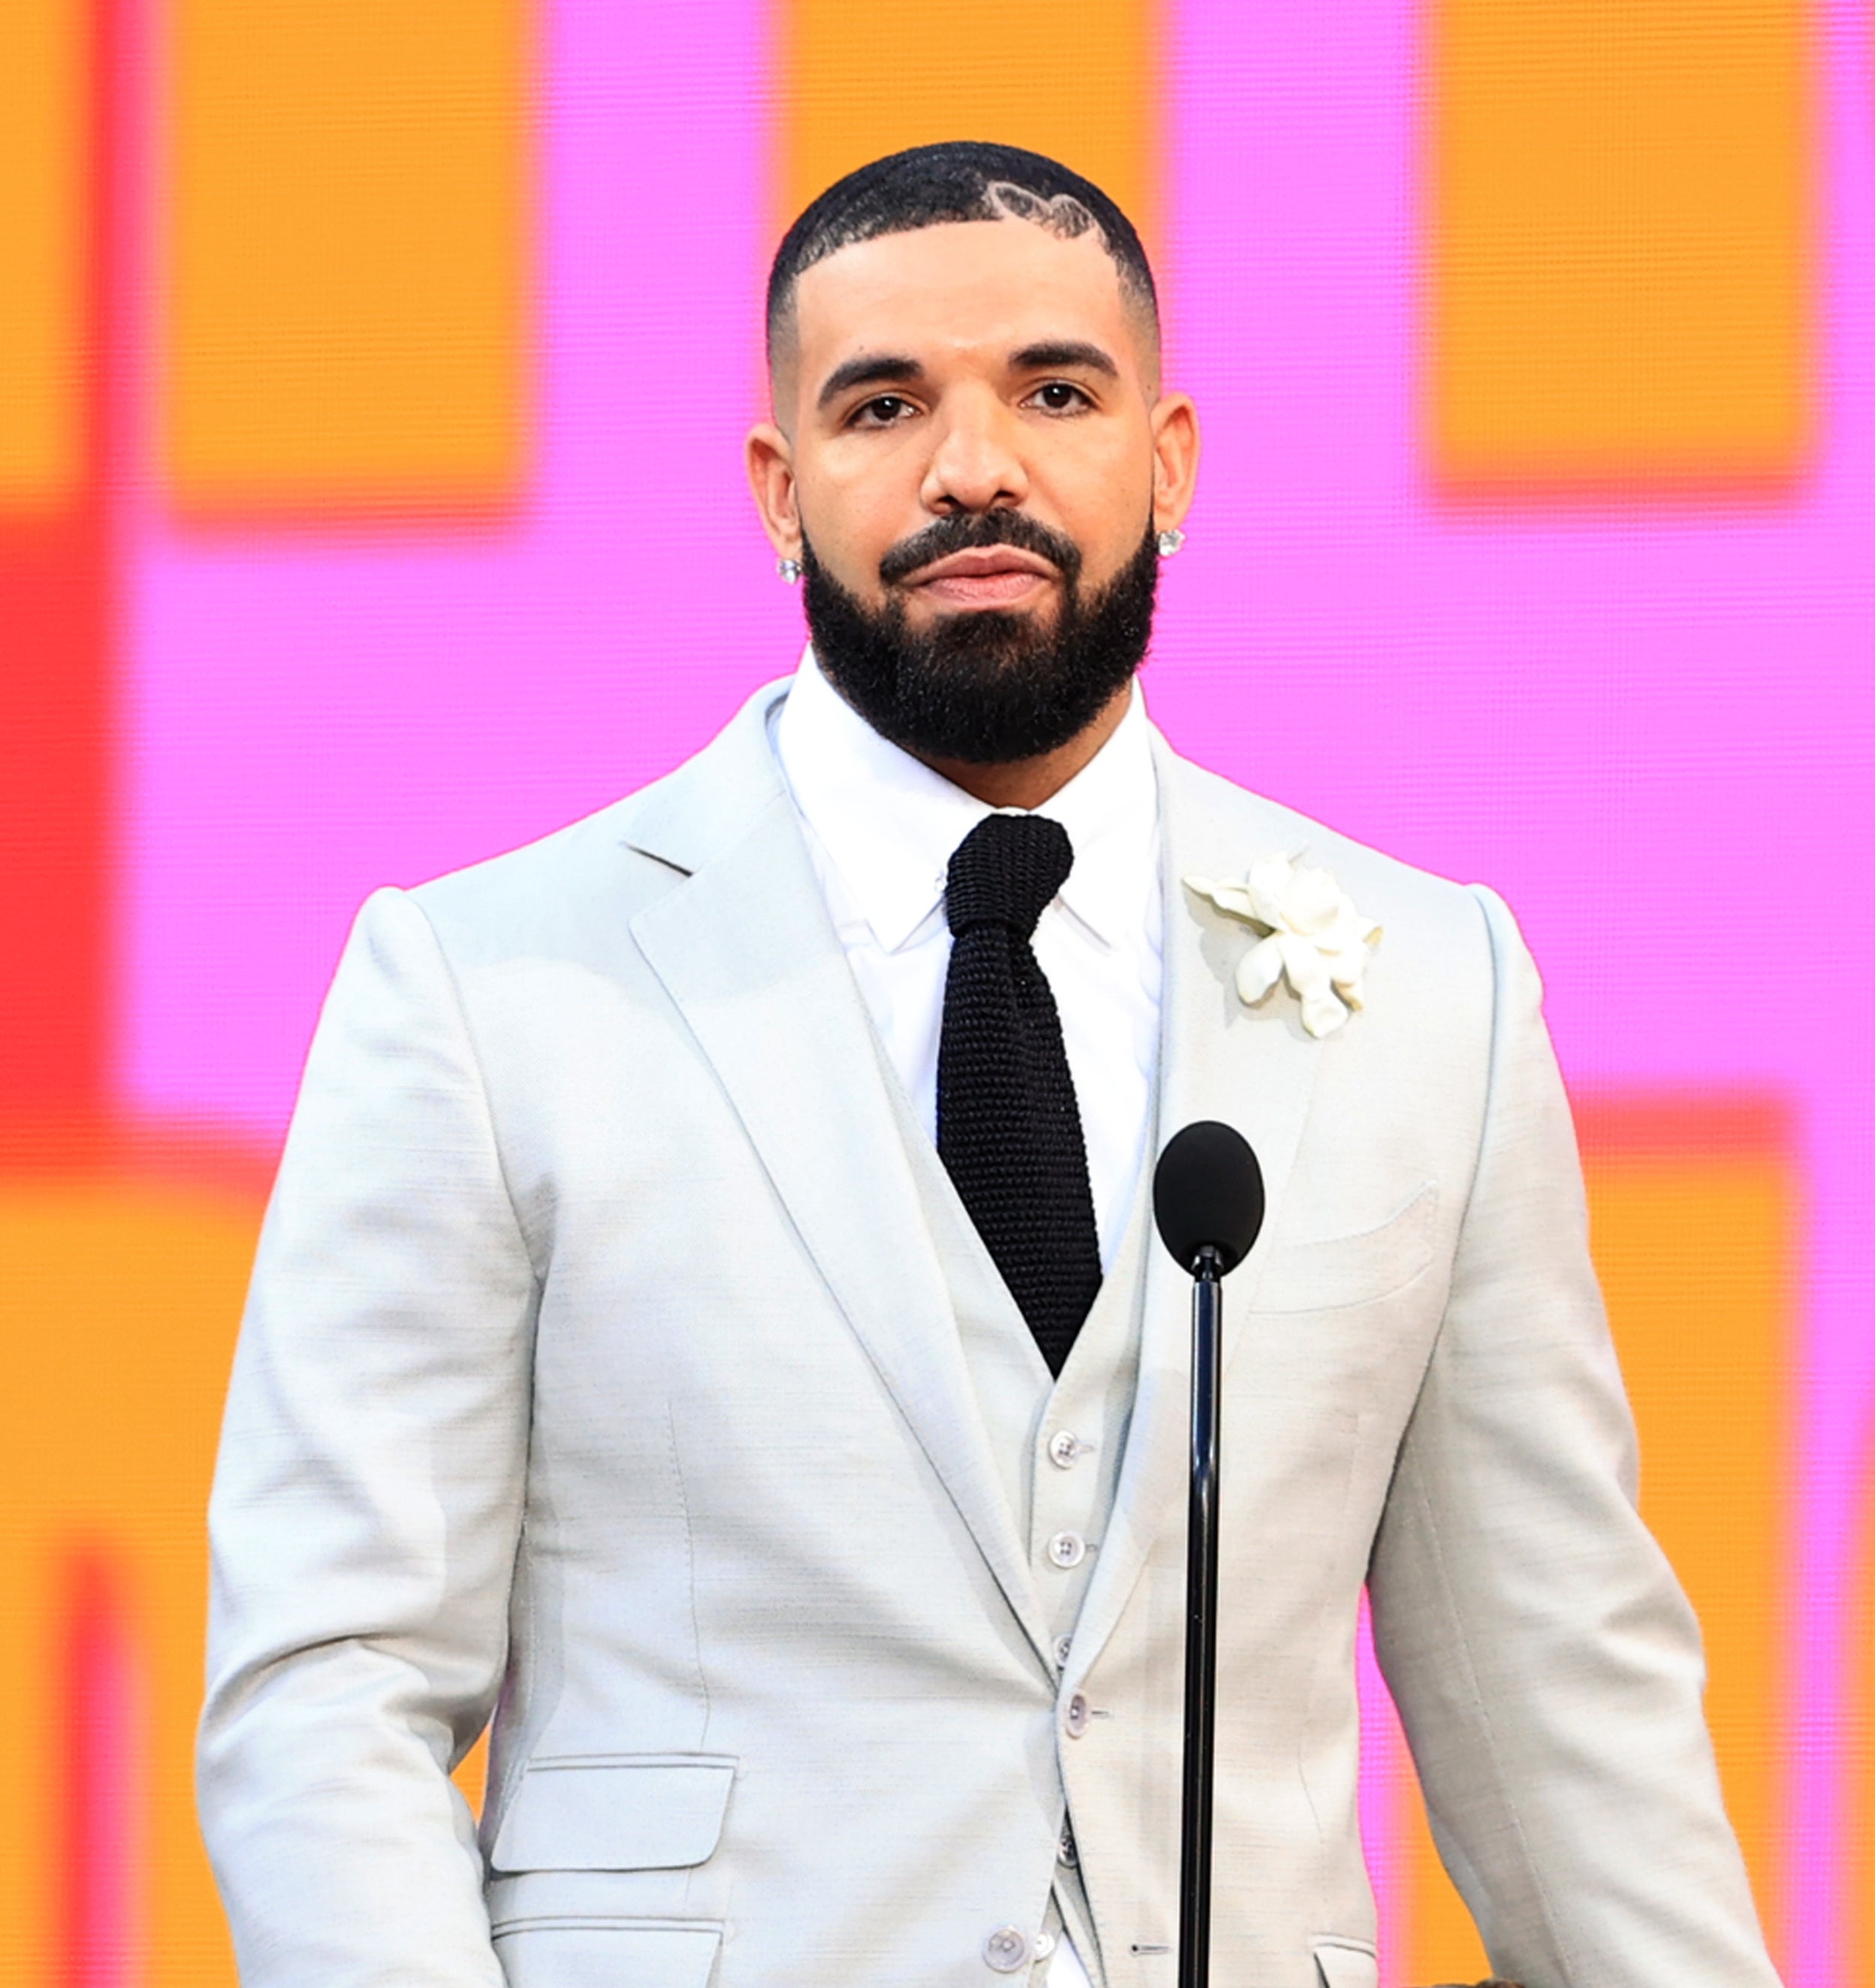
point(1066, 1851)
point(1067, 1550)
point(1065, 1448)
point(1007, 1949)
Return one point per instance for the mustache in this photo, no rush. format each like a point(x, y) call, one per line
point(970, 531)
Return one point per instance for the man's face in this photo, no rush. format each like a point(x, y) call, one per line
point(970, 454)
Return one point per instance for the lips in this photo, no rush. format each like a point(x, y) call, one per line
point(983, 562)
point(984, 577)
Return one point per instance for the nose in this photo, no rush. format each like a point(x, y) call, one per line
point(976, 461)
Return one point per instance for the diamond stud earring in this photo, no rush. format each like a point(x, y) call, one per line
point(1170, 541)
point(790, 569)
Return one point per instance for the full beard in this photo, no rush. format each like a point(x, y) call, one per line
point(988, 686)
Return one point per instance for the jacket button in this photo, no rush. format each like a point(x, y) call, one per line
point(1067, 1550)
point(1007, 1949)
point(1078, 1716)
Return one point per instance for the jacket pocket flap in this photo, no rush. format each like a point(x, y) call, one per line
point(1350, 1269)
point(596, 1953)
point(1344, 1963)
point(615, 1812)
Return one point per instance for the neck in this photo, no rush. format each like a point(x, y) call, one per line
point(1027, 783)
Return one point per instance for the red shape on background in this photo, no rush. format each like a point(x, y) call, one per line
point(56, 686)
point(99, 1926)
point(1680, 1124)
point(54, 782)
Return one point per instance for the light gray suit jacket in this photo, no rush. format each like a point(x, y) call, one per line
point(599, 1374)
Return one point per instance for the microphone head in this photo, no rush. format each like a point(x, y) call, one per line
point(1208, 1193)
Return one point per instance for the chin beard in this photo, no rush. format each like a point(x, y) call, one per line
point(983, 687)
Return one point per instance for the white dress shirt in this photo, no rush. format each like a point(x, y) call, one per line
point(881, 826)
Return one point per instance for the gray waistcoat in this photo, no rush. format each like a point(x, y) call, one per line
point(1058, 1443)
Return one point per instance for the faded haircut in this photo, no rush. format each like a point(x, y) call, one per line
point(963, 180)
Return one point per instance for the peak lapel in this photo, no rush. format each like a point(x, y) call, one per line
point(745, 950)
point(1255, 1069)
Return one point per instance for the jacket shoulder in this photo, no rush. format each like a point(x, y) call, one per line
point(514, 900)
point(1405, 899)
point(599, 872)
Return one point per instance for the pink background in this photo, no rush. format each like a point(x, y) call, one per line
point(1652, 728)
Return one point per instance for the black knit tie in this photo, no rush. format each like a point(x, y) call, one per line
point(1008, 1129)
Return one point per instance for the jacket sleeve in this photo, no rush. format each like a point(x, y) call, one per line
point(1546, 1666)
point(367, 1499)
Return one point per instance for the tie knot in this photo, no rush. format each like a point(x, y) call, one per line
point(1005, 870)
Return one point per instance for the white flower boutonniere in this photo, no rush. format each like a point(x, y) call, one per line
point(1313, 937)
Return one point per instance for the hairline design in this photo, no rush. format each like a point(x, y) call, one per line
point(927, 186)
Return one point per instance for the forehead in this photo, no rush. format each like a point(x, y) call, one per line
point(977, 287)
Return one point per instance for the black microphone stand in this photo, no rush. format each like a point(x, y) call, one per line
point(1207, 1198)
point(1200, 1625)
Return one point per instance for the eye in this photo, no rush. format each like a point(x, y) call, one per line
point(1061, 396)
point(881, 411)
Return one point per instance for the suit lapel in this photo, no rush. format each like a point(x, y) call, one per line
point(746, 952)
point(1255, 1070)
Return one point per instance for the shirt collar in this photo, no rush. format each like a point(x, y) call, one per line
point(888, 824)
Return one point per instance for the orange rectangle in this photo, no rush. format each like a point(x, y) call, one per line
point(1621, 262)
point(45, 246)
point(1857, 1745)
point(349, 255)
point(862, 78)
point(120, 1299)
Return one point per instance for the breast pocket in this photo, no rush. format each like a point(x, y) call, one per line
point(1356, 1270)
point(589, 1860)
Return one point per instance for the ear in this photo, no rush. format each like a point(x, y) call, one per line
point(769, 458)
point(1175, 460)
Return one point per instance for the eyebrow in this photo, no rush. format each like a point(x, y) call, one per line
point(1058, 353)
point(880, 368)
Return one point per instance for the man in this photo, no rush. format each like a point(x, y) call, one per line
point(709, 1318)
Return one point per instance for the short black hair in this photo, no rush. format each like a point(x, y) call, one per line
point(965, 180)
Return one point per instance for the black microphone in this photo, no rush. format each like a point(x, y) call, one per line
point(1208, 1199)
point(1208, 1194)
